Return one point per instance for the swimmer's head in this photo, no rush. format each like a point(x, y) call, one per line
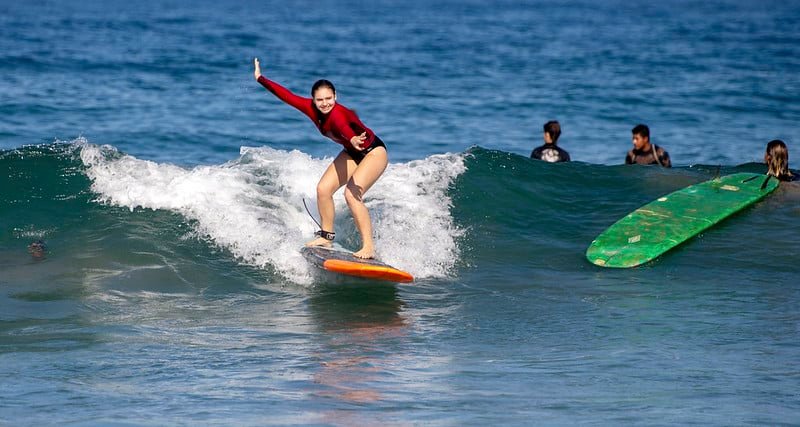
point(777, 159)
point(641, 136)
point(37, 249)
point(552, 130)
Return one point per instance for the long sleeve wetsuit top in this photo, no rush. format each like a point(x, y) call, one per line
point(340, 125)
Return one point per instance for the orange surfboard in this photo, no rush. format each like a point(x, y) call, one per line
point(339, 261)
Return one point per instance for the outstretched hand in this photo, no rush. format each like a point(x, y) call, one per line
point(358, 140)
point(257, 68)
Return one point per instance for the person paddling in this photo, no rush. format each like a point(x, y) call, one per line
point(357, 167)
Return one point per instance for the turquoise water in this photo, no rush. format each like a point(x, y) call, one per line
point(168, 186)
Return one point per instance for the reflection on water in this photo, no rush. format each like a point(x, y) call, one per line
point(361, 327)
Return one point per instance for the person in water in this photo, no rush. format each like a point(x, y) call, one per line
point(356, 167)
point(777, 160)
point(37, 249)
point(550, 152)
point(644, 152)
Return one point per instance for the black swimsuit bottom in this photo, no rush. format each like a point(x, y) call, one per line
point(358, 156)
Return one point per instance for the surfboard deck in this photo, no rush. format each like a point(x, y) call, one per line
point(668, 221)
point(343, 262)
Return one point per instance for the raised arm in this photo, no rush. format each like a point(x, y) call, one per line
point(305, 105)
point(257, 68)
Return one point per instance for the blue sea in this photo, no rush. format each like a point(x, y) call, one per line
point(168, 188)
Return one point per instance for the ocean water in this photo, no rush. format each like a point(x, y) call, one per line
point(169, 187)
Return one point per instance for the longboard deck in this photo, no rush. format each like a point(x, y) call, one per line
point(343, 262)
point(668, 221)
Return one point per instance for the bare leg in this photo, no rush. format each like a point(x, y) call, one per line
point(367, 172)
point(335, 176)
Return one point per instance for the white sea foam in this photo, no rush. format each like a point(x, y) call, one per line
point(253, 206)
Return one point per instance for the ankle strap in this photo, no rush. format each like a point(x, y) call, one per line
point(327, 235)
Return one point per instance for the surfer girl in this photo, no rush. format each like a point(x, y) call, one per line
point(644, 152)
point(777, 160)
point(356, 167)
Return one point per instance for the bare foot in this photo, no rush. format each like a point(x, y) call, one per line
point(319, 241)
point(365, 253)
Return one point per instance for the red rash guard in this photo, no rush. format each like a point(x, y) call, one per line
point(340, 125)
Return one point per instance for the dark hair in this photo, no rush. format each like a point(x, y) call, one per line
point(553, 129)
point(778, 160)
point(322, 83)
point(641, 130)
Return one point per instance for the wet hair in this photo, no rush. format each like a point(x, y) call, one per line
point(553, 129)
point(778, 160)
point(641, 130)
point(320, 84)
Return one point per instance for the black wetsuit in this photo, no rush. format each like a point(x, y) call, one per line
point(640, 157)
point(550, 153)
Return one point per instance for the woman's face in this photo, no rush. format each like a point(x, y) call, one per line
point(324, 99)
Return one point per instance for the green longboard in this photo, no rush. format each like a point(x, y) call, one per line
point(662, 224)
